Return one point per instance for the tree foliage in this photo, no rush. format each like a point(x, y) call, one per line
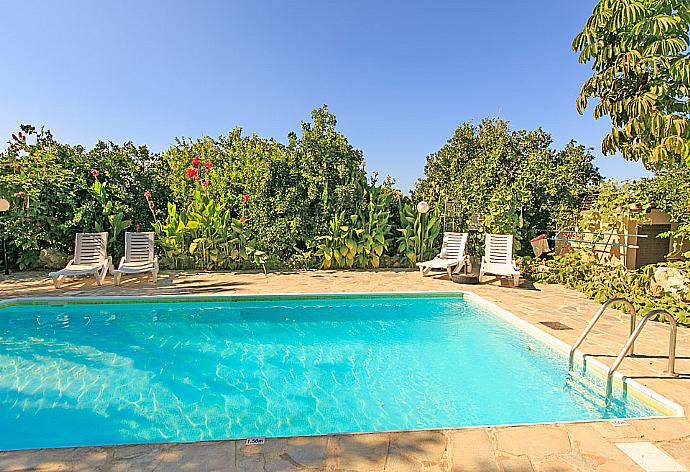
point(50, 189)
point(669, 191)
point(601, 278)
point(639, 54)
point(295, 189)
point(513, 179)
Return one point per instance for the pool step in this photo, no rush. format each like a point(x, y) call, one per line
point(586, 389)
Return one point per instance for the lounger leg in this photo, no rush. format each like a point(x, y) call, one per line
point(516, 279)
point(57, 280)
point(103, 273)
point(421, 271)
point(450, 273)
point(154, 276)
point(117, 277)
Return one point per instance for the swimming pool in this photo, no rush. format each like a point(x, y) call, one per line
point(75, 373)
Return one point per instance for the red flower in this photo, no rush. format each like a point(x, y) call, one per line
point(208, 164)
point(245, 197)
point(95, 173)
point(204, 183)
point(195, 161)
point(147, 194)
point(15, 137)
point(243, 219)
point(192, 173)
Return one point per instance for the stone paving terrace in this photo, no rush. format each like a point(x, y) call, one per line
point(554, 447)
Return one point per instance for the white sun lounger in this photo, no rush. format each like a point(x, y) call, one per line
point(89, 259)
point(498, 257)
point(139, 256)
point(452, 257)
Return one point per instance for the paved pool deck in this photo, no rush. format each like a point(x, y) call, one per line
point(589, 446)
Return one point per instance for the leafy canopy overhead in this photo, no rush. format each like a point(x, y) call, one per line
point(639, 54)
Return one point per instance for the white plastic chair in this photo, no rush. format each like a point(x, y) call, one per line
point(139, 256)
point(498, 257)
point(452, 257)
point(90, 258)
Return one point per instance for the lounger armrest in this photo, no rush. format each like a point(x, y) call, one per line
point(122, 261)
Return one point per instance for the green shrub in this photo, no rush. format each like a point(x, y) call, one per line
point(602, 281)
point(360, 240)
point(50, 189)
point(514, 180)
point(419, 233)
point(205, 234)
point(296, 188)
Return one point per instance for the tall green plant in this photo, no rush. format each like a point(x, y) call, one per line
point(339, 248)
point(113, 221)
point(206, 234)
point(504, 216)
point(418, 233)
point(361, 240)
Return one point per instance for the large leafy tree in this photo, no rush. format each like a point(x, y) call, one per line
point(514, 179)
point(639, 54)
point(49, 187)
point(294, 189)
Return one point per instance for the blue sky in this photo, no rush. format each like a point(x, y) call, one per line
point(400, 76)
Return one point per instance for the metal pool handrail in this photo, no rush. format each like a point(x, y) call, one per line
point(673, 332)
point(594, 320)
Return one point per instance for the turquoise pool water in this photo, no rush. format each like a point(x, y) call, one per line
point(91, 374)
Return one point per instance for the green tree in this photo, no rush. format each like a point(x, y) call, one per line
point(295, 189)
point(49, 186)
point(639, 54)
point(511, 178)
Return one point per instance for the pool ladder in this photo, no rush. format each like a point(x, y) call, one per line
point(629, 348)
